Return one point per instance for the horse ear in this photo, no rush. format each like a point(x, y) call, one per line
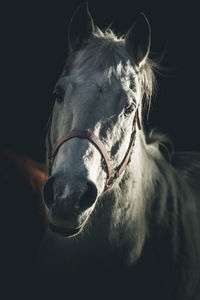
point(80, 28)
point(138, 40)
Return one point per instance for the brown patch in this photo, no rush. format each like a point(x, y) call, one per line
point(23, 171)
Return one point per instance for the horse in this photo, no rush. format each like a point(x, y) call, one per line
point(24, 220)
point(129, 216)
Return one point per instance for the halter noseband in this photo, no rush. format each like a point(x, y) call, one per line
point(87, 134)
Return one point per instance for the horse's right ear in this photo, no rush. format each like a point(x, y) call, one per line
point(81, 27)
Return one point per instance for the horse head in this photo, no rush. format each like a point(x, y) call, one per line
point(99, 92)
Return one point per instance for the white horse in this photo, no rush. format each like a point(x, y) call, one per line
point(133, 217)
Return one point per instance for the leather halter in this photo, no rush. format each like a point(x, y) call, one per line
point(87, 134)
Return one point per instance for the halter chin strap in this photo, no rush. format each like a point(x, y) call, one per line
point(112, 173)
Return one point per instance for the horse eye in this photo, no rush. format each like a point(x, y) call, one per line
point(129, 110)
point(59, 94)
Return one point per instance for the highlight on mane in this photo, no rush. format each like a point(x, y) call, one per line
point(108, 34)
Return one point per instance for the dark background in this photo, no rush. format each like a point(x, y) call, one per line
point(33, 51)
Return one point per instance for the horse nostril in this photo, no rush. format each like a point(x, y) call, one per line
point(89, 197)
point(48, 191)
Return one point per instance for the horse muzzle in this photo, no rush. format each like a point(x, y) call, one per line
point(70, 203)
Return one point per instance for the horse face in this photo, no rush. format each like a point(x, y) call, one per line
point(104, 107)
point(99, 91)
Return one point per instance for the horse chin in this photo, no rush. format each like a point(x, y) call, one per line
point(70, 226)
point(66, 232)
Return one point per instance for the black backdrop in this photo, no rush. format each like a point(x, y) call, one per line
point(33, 50)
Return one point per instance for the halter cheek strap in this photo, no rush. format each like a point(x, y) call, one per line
point(87, 134)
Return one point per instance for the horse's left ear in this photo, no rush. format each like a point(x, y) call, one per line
point(138, 40)
point(80, 28)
